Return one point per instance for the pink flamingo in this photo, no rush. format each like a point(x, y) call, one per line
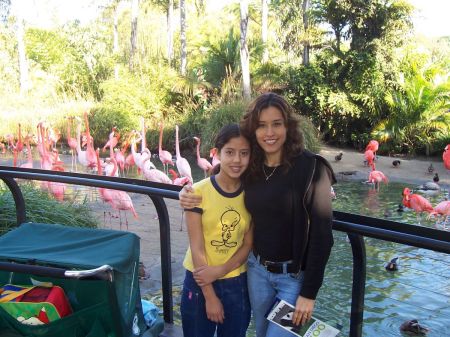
point(213, 155)
point(29, 163)
point(90, 151)
point(446, 157)
point(177, 180)
point(72, 142)
point(202, 162)
point(121, 201)
point(443, 208)
point(376, 177)
point(110, 168)
point(3, 147)
point(182, 164)
point(373, 146)
point(113, 139)
point(164, 156)
point(180, 182)
point(154, 175)
point(416, 202)
point(370, 157)
point(82, 156)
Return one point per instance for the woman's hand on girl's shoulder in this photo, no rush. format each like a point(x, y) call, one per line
point(188, 199)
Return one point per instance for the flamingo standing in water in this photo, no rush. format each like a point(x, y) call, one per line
point(72, 142)
point(443, 208)
point(416, 202)
point(376, 177)
point(90, 151)
point(29, 163)
point(446, 157)
point(183, 166)
point(202, 162)
point(164, 156)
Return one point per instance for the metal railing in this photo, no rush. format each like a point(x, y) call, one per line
point(356, 226)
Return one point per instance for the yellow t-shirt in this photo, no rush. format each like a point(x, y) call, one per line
point(225, 220)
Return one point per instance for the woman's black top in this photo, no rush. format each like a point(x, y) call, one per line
point(270, 204)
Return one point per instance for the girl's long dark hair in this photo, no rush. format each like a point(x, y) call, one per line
point(294, 138)
point(225, 134)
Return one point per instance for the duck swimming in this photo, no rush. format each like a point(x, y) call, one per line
point(392, 265)
point(412, 327)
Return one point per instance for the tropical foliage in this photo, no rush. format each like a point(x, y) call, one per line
point(351, 67)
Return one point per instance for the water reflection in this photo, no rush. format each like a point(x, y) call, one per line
point(419, 289)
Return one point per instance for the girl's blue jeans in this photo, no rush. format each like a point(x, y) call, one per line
point(233, 294)
point(264, 287)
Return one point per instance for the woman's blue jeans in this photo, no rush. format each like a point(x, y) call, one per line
point(264, 287)
point(233, 294)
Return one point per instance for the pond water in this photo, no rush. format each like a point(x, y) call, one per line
point(420, 289)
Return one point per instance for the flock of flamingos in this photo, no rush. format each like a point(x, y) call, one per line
point(119, 163)
point(411, 200)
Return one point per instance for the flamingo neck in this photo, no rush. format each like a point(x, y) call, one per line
point(114, 171)
point(198, 150)
point(160, 138)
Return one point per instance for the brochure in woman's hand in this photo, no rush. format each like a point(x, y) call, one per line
point(281, 314)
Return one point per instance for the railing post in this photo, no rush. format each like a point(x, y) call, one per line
point(359, 284)
point(18, 199)
point(166, 267)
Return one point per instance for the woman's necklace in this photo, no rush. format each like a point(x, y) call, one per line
point(271, 174)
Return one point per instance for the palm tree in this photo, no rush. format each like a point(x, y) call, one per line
point(183, 37)
point(133, 38)
point(245, 57)
point(264, 17)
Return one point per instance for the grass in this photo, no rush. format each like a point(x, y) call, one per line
point(42, 208)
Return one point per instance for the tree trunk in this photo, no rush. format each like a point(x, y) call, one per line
point(306, 46)
point(245, 58)
point(170, 32)
point(183, 37)
point(23, 64)
point(133, 38)
point(264, 16)
point(116, 41)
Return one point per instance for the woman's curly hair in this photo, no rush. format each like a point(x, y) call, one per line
point(250, 122)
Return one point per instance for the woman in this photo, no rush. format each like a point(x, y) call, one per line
point(287, 192)
point(220, 239)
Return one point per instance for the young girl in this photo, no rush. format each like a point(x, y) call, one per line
point(215, 295)
point(287, 192)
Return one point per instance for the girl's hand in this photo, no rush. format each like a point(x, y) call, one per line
point(188, 199)
point(207, 274)
point(214, 309)
point(303, 310)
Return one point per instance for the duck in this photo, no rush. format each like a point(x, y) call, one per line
point(436, 178)
point(400, 208)
point(431, 168)
point(392, 265)
point(412, 327)
point(396, 163)
point(338, 157)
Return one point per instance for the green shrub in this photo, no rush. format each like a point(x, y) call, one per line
point(220, 116)
point(41, 207)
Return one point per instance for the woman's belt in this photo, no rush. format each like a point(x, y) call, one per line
point(276, 267)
